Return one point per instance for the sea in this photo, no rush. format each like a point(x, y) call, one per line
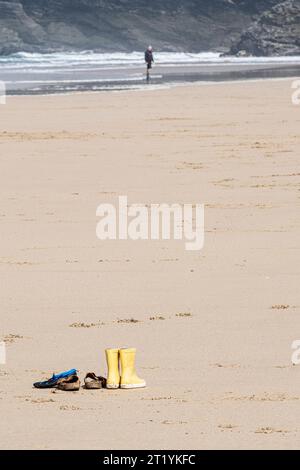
point(26, 73)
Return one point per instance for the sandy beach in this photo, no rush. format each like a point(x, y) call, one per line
point(213, 328)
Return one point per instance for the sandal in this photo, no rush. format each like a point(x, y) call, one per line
point(92, 382)
point(69, 384)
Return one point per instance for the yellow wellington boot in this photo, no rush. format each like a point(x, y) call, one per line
point(113, 374)
point(129, 378)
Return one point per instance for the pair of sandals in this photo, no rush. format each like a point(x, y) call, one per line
point(91, 382)
point(69, 382)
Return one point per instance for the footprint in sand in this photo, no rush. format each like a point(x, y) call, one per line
point(226, 366)
point(227, 427)
point(173, 422)
point(34, 136)
point(265, 397)
point(225, 183)
point(86, 325)
point(12, 338)
point(189, 166)
point(184, 315)
point(69, 408)
point(40, 401)
point(269, 430)
point(128, 320)
point(280, 307)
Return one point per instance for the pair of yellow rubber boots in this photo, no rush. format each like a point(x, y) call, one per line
point(128, 378)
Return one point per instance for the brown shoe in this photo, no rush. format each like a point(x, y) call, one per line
point(92, 382)
point(69, 384)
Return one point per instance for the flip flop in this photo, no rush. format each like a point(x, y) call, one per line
point(51, 383)
point(69, 384)
point(92, 382)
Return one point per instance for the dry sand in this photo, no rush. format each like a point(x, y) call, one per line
point(216, 356)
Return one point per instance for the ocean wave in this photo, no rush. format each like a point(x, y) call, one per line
point(87, 59)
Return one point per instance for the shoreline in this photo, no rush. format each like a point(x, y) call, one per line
point(54, 81)
point(153, 88)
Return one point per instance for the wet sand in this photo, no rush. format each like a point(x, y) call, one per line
point(213, 328)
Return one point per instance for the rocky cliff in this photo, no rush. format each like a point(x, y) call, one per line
point(276, 32)
point(125, 25)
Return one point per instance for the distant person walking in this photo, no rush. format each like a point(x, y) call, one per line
point(149, 60)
